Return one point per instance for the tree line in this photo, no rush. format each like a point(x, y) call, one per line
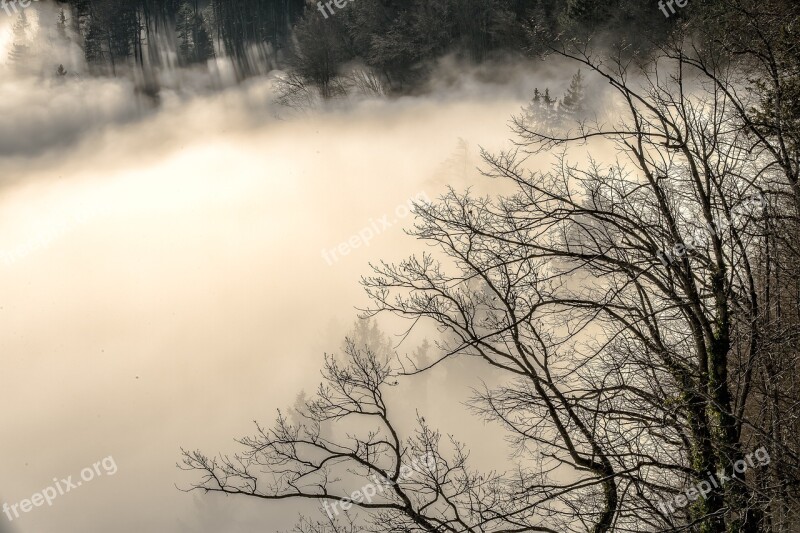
point(396, 39)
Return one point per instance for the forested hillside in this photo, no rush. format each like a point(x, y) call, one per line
point(396, 39)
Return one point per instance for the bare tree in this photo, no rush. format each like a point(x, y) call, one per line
point(628, 303)
point(346, 438)
point(625, 296)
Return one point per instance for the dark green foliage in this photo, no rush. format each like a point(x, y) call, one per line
point(195, 43)
point(398, 40)
point(93, 44)
point(111, 32)
point(590, 13)
point(320, 52)
point(244, 23)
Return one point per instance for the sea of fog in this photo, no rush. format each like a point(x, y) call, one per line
point(163, 281)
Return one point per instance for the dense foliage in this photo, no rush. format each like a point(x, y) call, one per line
point(396, 39)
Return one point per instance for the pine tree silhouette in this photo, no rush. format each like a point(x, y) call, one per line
point(542, 109)
point(572, 105)
point(61, 26)
point(20, 53)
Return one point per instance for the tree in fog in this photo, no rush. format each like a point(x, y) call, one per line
point(542, 110)
point(112, 34)
point(62, 27)
point(321, 48)
point(642, 308)
point(760, 38)
point(573, 104)
point(20, 54)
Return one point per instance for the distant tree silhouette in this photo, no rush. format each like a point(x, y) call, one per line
point(61, 26)
point(542, 110)
point(20, 54)
point(573, 102)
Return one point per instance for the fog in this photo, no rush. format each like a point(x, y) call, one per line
point(163, 276)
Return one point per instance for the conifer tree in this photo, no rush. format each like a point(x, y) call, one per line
point(20, 54)
point(542, 109)
point(61, 26)
point(573, 103)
